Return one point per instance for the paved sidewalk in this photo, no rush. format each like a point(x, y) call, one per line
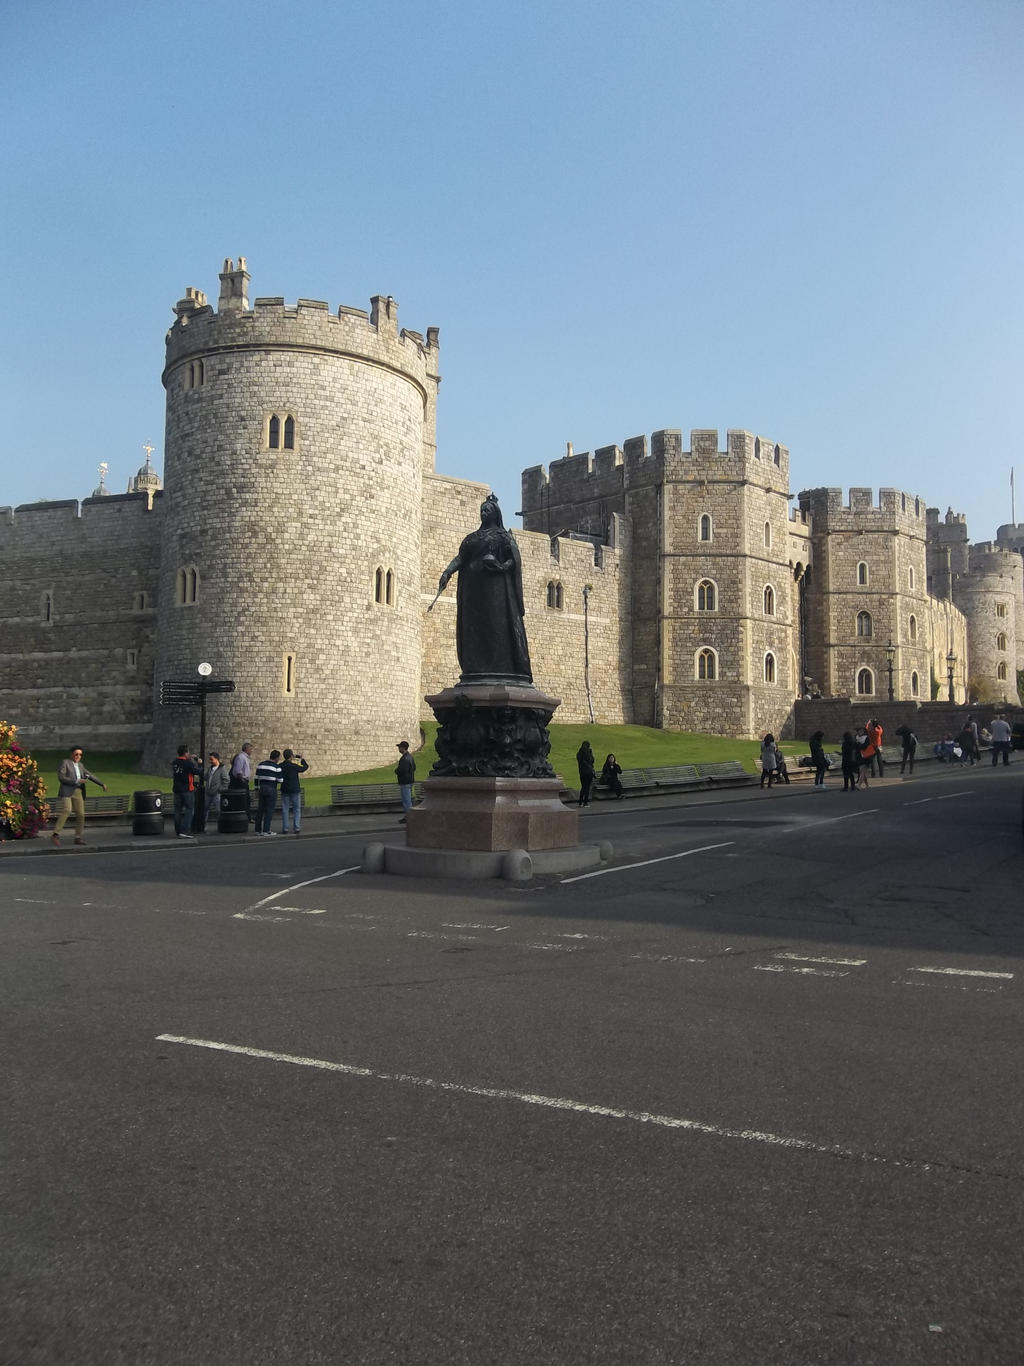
point(116, 836)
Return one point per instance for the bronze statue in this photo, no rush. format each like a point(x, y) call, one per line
point(489, 631)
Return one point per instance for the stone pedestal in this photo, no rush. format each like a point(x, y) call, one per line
point(493, 730)
point(492, 814)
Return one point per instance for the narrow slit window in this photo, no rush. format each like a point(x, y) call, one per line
point(289, 675)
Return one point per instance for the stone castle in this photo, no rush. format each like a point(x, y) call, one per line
point(301, 528)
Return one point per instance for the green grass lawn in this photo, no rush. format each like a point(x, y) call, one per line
point(633, 746)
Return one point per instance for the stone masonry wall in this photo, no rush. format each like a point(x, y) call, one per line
point(81, 667)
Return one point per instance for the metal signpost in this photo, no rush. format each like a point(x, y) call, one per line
point(193, 693)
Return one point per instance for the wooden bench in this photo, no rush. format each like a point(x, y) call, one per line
point(370, 796)
point(106, 806)
point(727, 771)
point(639, 782)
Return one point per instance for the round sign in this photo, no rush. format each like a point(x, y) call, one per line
point(206, 670)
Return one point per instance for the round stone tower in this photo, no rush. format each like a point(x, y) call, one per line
point(989, 595)
point(296, 443)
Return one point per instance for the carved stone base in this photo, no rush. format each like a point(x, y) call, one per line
point(492, 814)
point(493, 730)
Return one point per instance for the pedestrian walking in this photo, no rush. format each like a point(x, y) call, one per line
point(292, 765)
point(1001, 738)
point(406, 775)
point(73, 775)
point(819, 759)
point(185, 772)
point(585, 763)
point(769, 759)
point(216, 779)
point(267, 775)
point(611, 776)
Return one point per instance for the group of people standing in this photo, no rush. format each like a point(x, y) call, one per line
point(278, 772)
point(611, 774)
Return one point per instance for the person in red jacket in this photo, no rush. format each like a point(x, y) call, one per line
point(874, 732)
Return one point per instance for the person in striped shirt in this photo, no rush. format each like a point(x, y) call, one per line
point(268, 775)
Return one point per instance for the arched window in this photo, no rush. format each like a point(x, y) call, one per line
point(196, 374)
point(289, 433)
point(910, 577)
point(768, 535)
point(913, 628)
point(757, 448)
point(707, 596)
point(1000, 609)
point(705, 527)
point(378, 585)
point(917, 507)
point(707, 664)
point(778, 454)
point(769, 667)
point(274, 433)
point(1000, 641)
point(915, 684)
point(769, 600)
point(862, 573)
point(556, 597)
point(1001, 673)
point(186, 586)
point(864, 623)
point(865, 683)
point(389, 588)
point(281, 431)
point(48, 608)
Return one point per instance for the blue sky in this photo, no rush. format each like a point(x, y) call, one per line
point(799, 218)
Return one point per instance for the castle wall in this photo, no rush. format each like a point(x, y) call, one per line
point(286, 542)
point(991, 596)
point(868, 587)
point(78, 619)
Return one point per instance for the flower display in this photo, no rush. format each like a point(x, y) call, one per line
point(23, 808)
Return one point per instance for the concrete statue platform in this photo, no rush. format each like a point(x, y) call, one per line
point(514, 865)
point(492, 814)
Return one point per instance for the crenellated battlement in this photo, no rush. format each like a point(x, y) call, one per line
point(30, 525)
point(861, 510)
point(309, 324)
point(612, 470)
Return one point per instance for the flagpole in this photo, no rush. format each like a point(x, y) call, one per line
point(1013, 507)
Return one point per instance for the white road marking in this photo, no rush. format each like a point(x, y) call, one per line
point(946, 796)
point(850, 816)
point(964, 972)
point(274, 919)
point(35, 901)
point(471, 925)
point(302, 910)
point(808, 972)
point(583, 936)
point(920, 802)
point(556, 948)
point(838, 962)
point(433, 934)
point(664, 958)
point(626, 867)
point(557, 1103)
point(296, 886)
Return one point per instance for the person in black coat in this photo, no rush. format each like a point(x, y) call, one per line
point(610, 776)
point(585, 764)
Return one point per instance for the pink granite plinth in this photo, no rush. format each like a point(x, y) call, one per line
point(492, 813)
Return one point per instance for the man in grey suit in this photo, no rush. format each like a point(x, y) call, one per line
point(73, 776)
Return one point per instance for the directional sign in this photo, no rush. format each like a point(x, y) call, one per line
point(190, 692)
point(218, 685)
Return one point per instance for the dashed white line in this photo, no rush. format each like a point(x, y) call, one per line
point(838, 962)
point(646, 863)
point(948, 795)
point(964, 972)
point(471, 925)
point(807, 972)
point(558, 1103)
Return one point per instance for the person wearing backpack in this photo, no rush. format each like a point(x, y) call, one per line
point(909, 740)
point(818, 759)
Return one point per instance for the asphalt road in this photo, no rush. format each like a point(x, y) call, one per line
point(750, 1095)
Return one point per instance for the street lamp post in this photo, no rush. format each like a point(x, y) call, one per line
point(950, 664)
point(890, 655)
point(586, 649)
